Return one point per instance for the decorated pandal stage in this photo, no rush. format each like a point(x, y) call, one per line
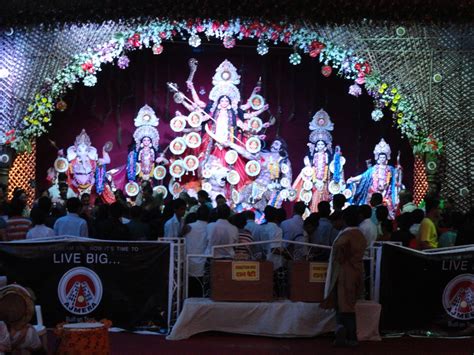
point(220, 146)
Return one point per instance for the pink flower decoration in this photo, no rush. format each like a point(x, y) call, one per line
point(229, 42)
point(326, 70)
point(157, 49)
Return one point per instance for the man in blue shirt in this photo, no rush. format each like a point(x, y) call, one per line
point(72, 224)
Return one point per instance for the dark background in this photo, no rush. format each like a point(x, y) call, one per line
point(294, 94)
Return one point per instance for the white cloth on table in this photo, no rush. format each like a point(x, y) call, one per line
point(196, 243)
point(71, 224)
point(276, 319)
point(222, 232)
point(40, 231)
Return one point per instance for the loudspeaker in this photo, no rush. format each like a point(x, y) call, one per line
point(7, 155)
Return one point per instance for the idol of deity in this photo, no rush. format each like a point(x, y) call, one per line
point(273, 184)
point(323, 174)
point(381, 178)
point(86, 172)
point(223, 122)
point(143, 161)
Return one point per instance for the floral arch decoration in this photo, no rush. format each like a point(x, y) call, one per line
point(345, 62)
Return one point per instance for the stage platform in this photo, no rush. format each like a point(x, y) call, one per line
point(274, 319)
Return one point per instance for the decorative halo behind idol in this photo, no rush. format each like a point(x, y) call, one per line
point(255, 124)
point(307, 172)
point(191, 162)
point(305, 196)
point(177, 169)
point(176, 189)
point(193, 140)
point(178, 146)
point(334, 187)
point(132, 188)
point(252, 168)
point(194, 119)
point(307, 185)
point(284, 194)
point(207, 187)
point(61, 165)
point(235, 196)
point(292, 195)
point(231, 157)
point(233, 177)
point(178, 123)
point(257, 102)
point(253, 145)
point(160, 172)
point(161, 189)
point(347, 193)
point(285, 182)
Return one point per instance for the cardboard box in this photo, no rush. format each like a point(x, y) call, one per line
point(241, 280)
point(307, 280)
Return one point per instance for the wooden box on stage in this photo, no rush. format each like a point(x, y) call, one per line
point(241, 280)
point(307, 280)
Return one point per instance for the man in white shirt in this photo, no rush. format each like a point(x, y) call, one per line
point(174, 226)
point(292, 228)
point(222, 232)
point(72, 224)
point(53, 191)
point(271, 232)
point(405, 203)
point(196, 243)
point(39, 230)
point(366, 226)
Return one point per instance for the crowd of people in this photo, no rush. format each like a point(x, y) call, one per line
point(204, 222)
point(337, 233)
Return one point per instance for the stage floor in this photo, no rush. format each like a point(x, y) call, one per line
point(275, 319)
point(214, 343)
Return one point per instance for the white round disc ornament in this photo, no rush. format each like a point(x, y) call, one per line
point(178, 146)
point(61, 165)
point(252, 168)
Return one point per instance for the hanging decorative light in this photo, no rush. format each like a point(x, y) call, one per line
point(228, 42)
point(295, 58)
point(355, 90)
point(377, 115)
point(326, 70)
point(61, 105)
point(262, 48)
point(194, 41)
point(157, 48)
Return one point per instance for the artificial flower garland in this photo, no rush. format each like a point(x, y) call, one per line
point(85, 66)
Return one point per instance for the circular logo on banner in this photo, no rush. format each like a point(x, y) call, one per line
point(458, 297)
point(80, 290)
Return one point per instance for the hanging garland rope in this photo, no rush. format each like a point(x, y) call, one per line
point(345, 62)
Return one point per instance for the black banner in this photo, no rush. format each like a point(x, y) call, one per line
point(126, 282)
point(427, 290)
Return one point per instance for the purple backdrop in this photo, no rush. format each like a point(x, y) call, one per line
point(107, 110)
